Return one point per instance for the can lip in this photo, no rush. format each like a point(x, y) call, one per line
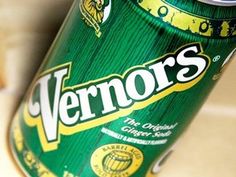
point(161, 11)
point(220, 2)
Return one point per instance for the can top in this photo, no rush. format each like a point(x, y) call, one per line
point(215, 22)
point(220, 2)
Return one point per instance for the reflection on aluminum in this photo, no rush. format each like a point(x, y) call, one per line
point(220, 2)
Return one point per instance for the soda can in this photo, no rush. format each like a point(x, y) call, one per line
point(120, 84)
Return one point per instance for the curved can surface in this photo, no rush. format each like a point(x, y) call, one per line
point(120, 84)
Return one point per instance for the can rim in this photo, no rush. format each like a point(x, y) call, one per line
point(193, 23)
point(220, 2)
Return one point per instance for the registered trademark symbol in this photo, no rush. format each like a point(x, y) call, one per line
point(216, 58)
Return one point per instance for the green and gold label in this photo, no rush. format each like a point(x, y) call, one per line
point(95, 13)
point(111, 104)
point(26, 154)
point(116, 160)
point(189, 22)
point(72, 109)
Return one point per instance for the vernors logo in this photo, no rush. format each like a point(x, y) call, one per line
point(95, 13)
point(56, 109)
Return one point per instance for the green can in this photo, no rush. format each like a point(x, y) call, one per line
point(120, 84)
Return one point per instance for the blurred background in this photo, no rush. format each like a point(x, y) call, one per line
point(27, 29)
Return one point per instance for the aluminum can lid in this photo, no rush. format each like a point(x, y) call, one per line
point(220, 2)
